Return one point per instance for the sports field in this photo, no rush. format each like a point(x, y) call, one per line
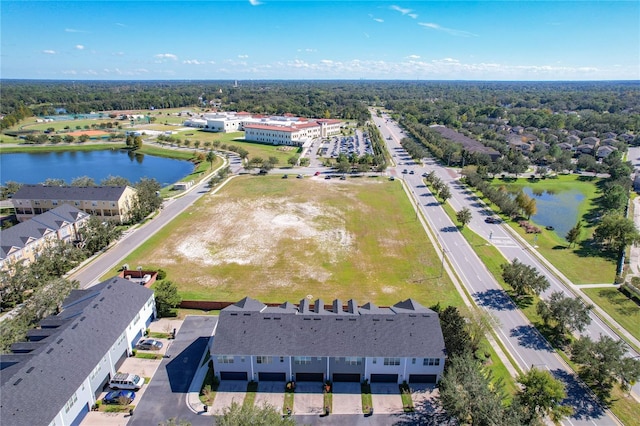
point(285, 239)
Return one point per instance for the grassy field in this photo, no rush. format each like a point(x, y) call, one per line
point(620, 307)
point(278, 240)
point(282, 153)
point(580, 264)
point(62, 147)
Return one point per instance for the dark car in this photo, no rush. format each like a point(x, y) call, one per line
point(123, 397)
point(491, 220)
point(411, 172)
point(284, 176)
point(404, 171)
point(149, 345)
point(299, 176)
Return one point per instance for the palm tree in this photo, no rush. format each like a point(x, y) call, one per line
point(210, 158)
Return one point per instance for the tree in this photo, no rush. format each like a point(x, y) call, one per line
point(97, 235)
point(456, 338)
point(445, 193)
point(69, 139)
point(479, 323)
point(541, 395)
point(305, 161)
point(54, 182)
point(604, 363)
point(147, 199)
point(10, 188)
point(83, 138)
point(273, 161)
point(83, 181)
point(615, 232)
point(569, 313)
point(468, 395)
point(464, 217)
point(210, 158)
point(524, 279)
point(115, 181)
point(615, 198)
point(253, 415)
point(573, 236)
point(167, 297)
point(293, 160)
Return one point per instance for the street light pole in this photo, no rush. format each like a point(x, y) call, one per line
point(442, 262)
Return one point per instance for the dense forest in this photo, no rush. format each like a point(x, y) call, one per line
point(568, 105)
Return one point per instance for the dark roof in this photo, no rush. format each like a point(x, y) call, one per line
point(89, 193)
point(407, 329)
point(468, 144)
point(35, 228)
point(57, 369)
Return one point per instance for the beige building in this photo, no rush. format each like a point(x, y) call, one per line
point(23, 242)
point(105, 202)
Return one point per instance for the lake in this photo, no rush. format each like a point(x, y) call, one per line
point(67, 165)
point(559, 210)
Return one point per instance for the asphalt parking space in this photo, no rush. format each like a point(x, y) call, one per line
point(229, 391)
point(386, 398)
point(270, 393)
point(347, 398)
point(308, 398)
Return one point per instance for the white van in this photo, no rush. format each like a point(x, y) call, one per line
point(126, 381)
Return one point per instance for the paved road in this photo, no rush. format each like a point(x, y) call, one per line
point(166, 394)
point(526, 345)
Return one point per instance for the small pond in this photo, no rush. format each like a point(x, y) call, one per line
point(67, 165)
point(559, 209)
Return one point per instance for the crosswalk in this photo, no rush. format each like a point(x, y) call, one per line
point(503, 242)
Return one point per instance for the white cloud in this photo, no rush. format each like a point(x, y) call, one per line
point(413, 15)
point(118, 54)
point(307, 50)
point(400, 9)
point(413, 57)
point(193, 62)
point(79, 47)
point(49, 52)
point(70, 72)
point(451, 31)
point(255, 2)
point(167, 56)
point(243, 56)
point(378, 20)
point(73, 30)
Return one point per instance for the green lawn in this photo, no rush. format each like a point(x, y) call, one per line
point(278, 240)
point(580, 264)
point(622, 309)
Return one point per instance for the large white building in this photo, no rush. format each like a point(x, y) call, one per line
point(254, 341)
point(276, 130)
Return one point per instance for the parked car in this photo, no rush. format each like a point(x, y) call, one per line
point(392, 178)
point(299, 176)
point(284, 176)
point(411, 172)
point(404, 171)
point(124, 397)
point(149, 345)
point(126, 381)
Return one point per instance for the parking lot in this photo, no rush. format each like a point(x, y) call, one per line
point(358, 144)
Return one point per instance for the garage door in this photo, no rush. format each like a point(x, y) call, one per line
point(309, 377)
point(233, 375)
point(384, 378)
point(272, 377)
point(343, 377)
point(422, 378)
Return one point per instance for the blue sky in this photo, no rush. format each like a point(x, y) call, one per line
point(276, 39)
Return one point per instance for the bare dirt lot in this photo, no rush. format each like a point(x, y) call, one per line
point(284, 239)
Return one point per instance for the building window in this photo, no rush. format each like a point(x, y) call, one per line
point(352, 360)
point(70, 403)
point(281, 359)
point(264, 359)
point(431, 361)
point(392, 361)
point(225, 359)
point(55, 202)
point(375, 360)
point(413, 360)
point(95, 372)
point(302, 360)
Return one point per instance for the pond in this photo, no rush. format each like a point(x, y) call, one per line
point(559, 209)
point(67, 165)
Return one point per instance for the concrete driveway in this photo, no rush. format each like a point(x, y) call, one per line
point(347, 398)
point(309, 398)
point(271, 393)
point(386, 398)
point(228, 392)
point(421, 394)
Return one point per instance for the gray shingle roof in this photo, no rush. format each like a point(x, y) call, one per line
point(54, 371)
point(19, 235)
point(405, 330)
point(89, 193)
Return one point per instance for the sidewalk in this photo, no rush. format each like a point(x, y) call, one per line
point(193, 397)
